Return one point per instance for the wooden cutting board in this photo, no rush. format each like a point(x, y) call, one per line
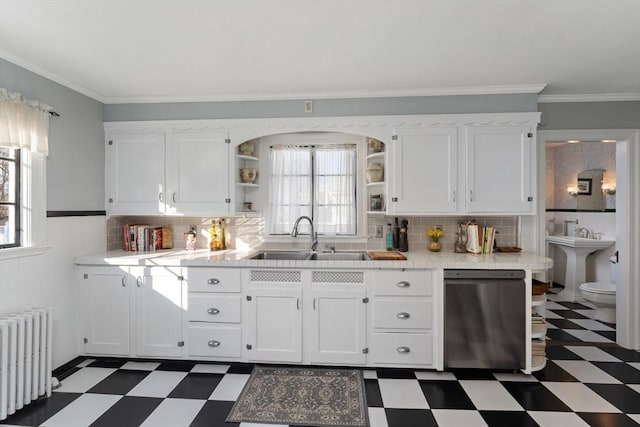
point(387, 256)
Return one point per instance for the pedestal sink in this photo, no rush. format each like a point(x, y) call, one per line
point(577, 250)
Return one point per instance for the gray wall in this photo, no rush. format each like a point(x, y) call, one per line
point(590, 115)
point(324, 107)
point(75, 166)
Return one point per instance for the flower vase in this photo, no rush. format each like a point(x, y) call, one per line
point(434, 246)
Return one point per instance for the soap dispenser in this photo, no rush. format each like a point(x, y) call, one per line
point(389, 238)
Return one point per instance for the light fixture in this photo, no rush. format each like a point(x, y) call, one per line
point(608, 140)
point(572, 190)
point(573, 141)
point(609, 188)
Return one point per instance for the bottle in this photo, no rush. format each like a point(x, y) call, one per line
point(223, 234)
point(213, 236)
point(389, 238)
point(396, 235)
point(403, 245)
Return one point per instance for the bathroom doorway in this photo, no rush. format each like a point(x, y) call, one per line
point(627, 153)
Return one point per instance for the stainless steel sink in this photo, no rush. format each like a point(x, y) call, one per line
point(311, 256)
point(340, 256)
point(281, 255)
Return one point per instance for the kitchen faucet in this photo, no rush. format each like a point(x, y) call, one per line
point(314, 235)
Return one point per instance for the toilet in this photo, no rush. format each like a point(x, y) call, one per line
point(603, 295)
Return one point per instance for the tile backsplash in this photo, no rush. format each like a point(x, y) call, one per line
point(247, 232)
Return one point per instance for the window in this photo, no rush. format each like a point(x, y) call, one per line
point(318, 181)
point(9, 197)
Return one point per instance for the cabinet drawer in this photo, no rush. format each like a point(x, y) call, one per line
point(403, 313)
point(399, 283)
point(214, 341)
point(214, 308)
point(213, 279)
point(408, 349)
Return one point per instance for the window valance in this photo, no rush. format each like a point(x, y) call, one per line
point(24, 123)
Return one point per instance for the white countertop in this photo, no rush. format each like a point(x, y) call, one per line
point(232, 258)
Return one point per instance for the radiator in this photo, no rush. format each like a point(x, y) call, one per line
point(25, 359)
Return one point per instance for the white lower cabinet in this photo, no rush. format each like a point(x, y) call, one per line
point(306, 316)
point(397, 348)
point(159, 306)
point(214, 315)
point(106, 310)
point(405, 319)
point(219, 341)
point(323, 316)
point(274, 328)
point(133, 311)
point(337, 332)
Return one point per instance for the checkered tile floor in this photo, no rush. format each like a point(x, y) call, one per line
point(588, 381)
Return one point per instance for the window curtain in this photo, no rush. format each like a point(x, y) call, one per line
point(335, 189)
point(319, 182)
point(290, 185)
point(24, 123)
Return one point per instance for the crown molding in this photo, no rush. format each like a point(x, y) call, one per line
point(590, 97)
point(20, 62)
point(444, 91)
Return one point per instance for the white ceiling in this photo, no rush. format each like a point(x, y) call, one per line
point(159, 51)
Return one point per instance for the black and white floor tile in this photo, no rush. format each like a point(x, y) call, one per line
point(588, 381)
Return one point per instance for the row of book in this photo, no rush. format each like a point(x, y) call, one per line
point(140, 238)
point(480, 240)
point(538, 348)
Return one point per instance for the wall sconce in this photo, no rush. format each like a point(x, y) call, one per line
point(609, 189)
point(572, 191)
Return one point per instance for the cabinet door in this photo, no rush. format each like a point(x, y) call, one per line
point(338, 331)
point(274, 330)
point(159, 306)
point(499, 169)
point(423, 175)
point(198, 167)
point(135, 173)
point(106, 316)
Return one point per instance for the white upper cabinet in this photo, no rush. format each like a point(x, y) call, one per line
point(478, 165)
point(499, 169)
point(423, 176)
point(198, 171)
point(135, 173)
point(167, 172)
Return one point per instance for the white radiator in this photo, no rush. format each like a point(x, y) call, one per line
point(25, 359)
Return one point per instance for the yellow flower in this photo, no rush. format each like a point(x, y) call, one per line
point(435, 234)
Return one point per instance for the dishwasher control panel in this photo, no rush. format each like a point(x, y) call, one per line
point(483, 274)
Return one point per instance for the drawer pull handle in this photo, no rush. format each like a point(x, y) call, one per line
point(213, 343)
point(213, 311)
point(213, 281)
point(403, 315)
point(403, 350)
point(403, 284)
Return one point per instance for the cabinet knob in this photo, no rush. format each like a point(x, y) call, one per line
point(403, 284)
point(213, 281)
point(403, 349)
point(403, 315)
point(213, 311)
point(213, 343)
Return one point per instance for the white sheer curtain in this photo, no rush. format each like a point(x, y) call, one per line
point(335, 189)
point(290, 187)
point(23, 123)
point(316, 181)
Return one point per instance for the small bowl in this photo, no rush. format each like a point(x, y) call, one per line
point(375, 146)
point(248, 175)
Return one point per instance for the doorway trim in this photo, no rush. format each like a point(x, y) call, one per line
point(627, 220)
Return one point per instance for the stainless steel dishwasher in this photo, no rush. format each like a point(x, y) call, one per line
point(484, 325)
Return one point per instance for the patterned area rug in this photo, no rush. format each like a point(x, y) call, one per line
point(302, 396)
